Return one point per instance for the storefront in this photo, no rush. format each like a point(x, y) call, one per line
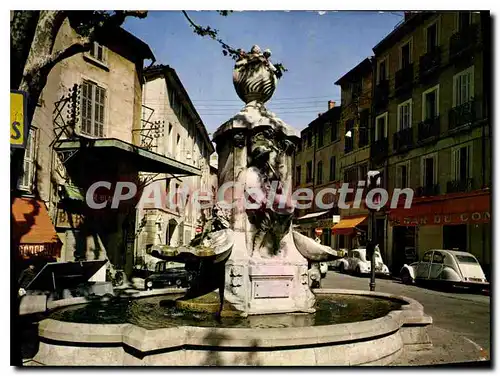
point(350, 232)
point(453, 221)
point(317, 226)
point(33, 231)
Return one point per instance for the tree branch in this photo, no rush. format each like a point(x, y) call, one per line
point(234, 53)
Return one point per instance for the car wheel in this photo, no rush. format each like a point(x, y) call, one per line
point(406, 277)
point(178, 283)
point(323, 275)
point(341, 268)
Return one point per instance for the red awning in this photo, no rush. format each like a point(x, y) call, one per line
point(452, 209)
point(33, 228)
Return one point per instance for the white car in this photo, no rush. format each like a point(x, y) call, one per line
point(356, 262)
point(453, 267)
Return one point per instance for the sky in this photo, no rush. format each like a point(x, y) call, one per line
point(317, 48)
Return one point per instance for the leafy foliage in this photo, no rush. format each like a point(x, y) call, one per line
point(227, 50)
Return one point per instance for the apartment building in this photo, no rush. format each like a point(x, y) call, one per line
point(355, 159)
point(316, 167)
point(84, 131)
point(182, 137)
point(431, 133)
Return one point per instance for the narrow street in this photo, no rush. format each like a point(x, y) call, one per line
point(460, 319)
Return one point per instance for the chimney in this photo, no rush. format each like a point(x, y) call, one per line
point(331, 104)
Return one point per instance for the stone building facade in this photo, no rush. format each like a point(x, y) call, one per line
point(316, 166)
point(184, 137)
point(431, 103)
point(83, 132)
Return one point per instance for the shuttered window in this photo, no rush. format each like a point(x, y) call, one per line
point(461, 163)
point(25, 182)
point(93, 109)
point(463, 87)
point(404, 115)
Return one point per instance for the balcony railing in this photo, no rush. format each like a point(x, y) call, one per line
point(461, 185)
point(462, 115)
point(429, 63)
point(379, 150)
point(464, 41)
point(403, 139)
point(404, 79)
point(429, 128)
point(381, 94)
point(427, 190)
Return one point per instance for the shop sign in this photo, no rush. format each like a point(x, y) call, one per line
point(443, 219)
point(18, 119)
point(30, 250)
point(68, 220)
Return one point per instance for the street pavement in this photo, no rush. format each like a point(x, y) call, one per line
point(461, 320)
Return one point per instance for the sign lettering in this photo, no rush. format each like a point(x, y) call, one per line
point(443, 219)
point(18, 123)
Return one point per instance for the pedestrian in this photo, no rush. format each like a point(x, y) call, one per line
point(27, 275)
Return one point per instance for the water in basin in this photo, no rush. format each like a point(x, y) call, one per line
point(156, 312)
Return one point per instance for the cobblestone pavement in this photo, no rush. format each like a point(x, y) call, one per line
point(461, 321)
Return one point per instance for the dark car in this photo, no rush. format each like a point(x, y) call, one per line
point(165, 277)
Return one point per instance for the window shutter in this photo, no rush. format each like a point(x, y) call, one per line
point(100, 95)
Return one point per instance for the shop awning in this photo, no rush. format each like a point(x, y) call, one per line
point(312, 215)
point(346, 226)
point(33, 228)
point(112, 149)
point(449, 209)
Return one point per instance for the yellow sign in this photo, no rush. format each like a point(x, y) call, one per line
point(18, 123)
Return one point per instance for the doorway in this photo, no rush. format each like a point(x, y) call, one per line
point(403, 247)
point(455, 237)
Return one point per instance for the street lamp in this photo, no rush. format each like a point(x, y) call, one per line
point(374, 180)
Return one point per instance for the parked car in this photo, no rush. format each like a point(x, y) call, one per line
point(165, 276)
point(446, 266)
point(356, 262)
point(323, 268)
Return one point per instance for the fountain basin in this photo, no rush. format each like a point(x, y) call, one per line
point(370, 342)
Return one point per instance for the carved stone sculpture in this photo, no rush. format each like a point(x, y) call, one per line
point(249, 250)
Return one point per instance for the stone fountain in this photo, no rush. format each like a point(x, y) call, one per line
point(266, 263)
point(266, 310)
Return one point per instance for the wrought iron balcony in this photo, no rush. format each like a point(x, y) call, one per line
point(403, 139)
point(381, 94)
point(429, 63)
point(379, 150)
point(404, 79)
point(463, 42)
point(463, 115)
point(427, 190)
point(429, 128)
point(461, 185)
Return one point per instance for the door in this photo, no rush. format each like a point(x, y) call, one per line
point(424, 266)
point(437, 265)
point(455, 237)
